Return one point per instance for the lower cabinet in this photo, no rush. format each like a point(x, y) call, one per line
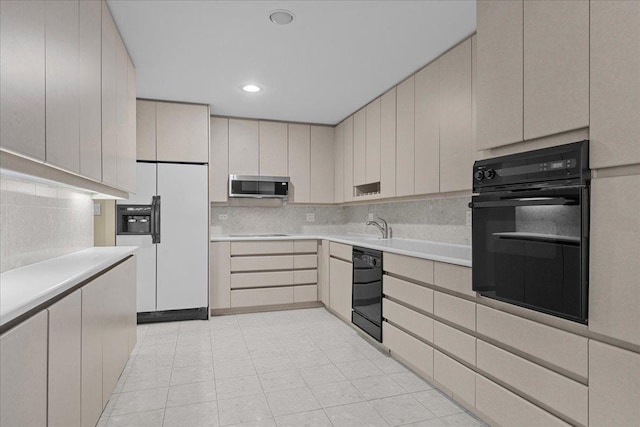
point(340, 287)
point(409, 348)
point(459, 379)
point(23, 366)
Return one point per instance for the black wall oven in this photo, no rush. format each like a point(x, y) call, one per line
point(531, 229)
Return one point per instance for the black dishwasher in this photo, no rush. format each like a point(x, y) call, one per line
point(367, 291)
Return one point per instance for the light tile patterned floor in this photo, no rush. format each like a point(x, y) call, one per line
point(287, 368)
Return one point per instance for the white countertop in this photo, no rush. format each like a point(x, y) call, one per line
point(435, 251)
point(28, 287)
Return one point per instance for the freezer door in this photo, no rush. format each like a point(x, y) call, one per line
point(146, 271)
point(183, 252)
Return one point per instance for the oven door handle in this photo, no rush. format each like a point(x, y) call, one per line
point(526, 201)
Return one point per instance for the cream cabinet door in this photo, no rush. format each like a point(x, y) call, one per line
point(62, 108)
point(614, 128)
point(23, 364)
point(89, 79)
point(22, 78)
point(65, 339)
point(372, 154)
point(244, 147)
point(124, 169)
point(456, 143)
point(182, 132)
point(93, 325)
point(273, 149)
point(299, 163)
point(388, 144)
point(321, 169)
point(338, 164)
point(110, 40)
point(340, 287)
point(348, 159)
point(427, 129)
point(359, 147)
point(219, 275)
point(219, 160)
point(500, 101)
point(128, 157)
point(556, 67)
point(146, 130)
point(405, 138)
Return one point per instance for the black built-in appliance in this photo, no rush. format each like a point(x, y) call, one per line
point(531, 229)
point(367, 291)
point(139, 219)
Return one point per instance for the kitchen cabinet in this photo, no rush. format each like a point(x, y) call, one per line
point(23, 363)
point(458, 311)
point(22, 78)
point(614, 59)
point(219, 160)
point(359, 147)
point(348, 159)
point(89, 81)
point(61, 85)
point(243, 147)
point(405, 137)
point(500, 103)
point(219, 275)
point(614, 385)
point(183, 133)
point(427, 127)
point(418, 269)
point(273, 148)
point(456, 377)
point(146, 130)
point(340, 287)
point(64, 382)
point(338, 164)
point(456, 141)
point(109, 98)
point(409, 293)
point(556, 67)
point(372, 154)
point(614, 249)
point(408, 348)
point(455, 342)
point(388, 144)
point(126, 151)
point(410, 320)
point(321, 167)
point(299, 163)
point(323, 272)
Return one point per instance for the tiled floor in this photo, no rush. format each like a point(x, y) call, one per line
point(286, 368)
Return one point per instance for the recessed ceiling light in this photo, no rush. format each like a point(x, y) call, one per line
point(251, 88)
point(281, 16)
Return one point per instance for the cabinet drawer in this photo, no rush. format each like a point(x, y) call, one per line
point(456, 310)
point(414, 351)
point(454, 376)
point(305, 261)
point(408, 319)
point(338, 250)
point(455, 342)
point(562, 349)
point(261, 280)
point(262, 247)
point(549, 388)
point(303, 277)
point(507, 409)
point(410, 293)
point(456, 278)
point(262, 263)
point(256, 297)
point(417, 269)
point(305, 293)
point(305, 246)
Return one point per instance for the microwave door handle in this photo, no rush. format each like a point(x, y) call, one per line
point(525, 201)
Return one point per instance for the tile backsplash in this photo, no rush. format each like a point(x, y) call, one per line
point(41, 221)
point(439, 220)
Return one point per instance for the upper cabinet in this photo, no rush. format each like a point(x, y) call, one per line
point(614, 131)
point(533, 69)
point(146, 130)
point(22, 78)
point(372, 153)
point(338, 164)
point(347, 142)
point(321, 169)
point(299, 163)
point(244, 157)
point(109, 98)
point(427, 129)
point(219, 159)
point(182, 132)
point(359, 147)
point(388, 144)
point(405, 137)
point(273, 149)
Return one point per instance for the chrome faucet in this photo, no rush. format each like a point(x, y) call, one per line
point(384, 228)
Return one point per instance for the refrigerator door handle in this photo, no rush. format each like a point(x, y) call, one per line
point(155, 204)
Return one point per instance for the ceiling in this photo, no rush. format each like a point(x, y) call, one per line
point(331, 60)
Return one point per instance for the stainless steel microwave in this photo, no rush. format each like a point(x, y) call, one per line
point(260, 187)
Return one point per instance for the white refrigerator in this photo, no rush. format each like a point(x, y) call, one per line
point(173, 273)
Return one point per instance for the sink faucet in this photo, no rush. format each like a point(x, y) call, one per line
point(384, 228)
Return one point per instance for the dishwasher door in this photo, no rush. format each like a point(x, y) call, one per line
point(367, 291)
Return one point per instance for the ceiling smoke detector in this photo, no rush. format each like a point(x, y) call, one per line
point(281, 16)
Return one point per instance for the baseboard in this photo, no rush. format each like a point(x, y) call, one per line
point(262, 308)
point(173, 315)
